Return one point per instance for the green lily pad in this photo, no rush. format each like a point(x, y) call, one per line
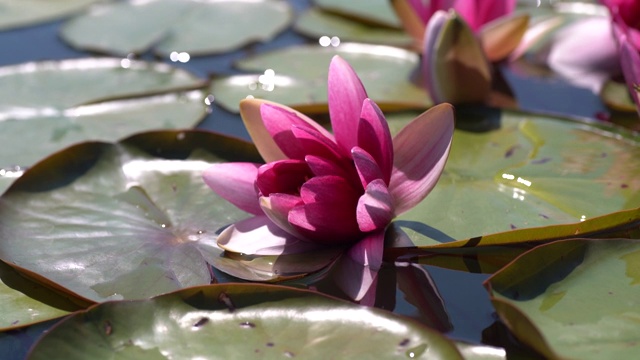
point(128, 220)
point(377, 12)
point(616, 96)
point(574, 299)
point(240, 321)
point(103, 99)
point(24, 302)
point(523, 171)
point(166, 26)
point(28, 12)
point(315, 23)
point(297, 76)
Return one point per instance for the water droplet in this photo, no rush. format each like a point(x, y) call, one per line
point(335, 41)
point(247, 325)
point(181, 136)
point(209, 99)
point(289, 354)
point(163, 225)
point(193, 237)
point(324, 41)
point(200, 232)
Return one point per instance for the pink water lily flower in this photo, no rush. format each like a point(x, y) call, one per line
point(319, 189)
point(626, 16)
point(497, 28)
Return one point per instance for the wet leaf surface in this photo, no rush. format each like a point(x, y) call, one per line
point(240, 321)
point(166, 26)
point(297, 76)
point(28, 12)
point(119, 221)
point(103, 99)
point(574, 299)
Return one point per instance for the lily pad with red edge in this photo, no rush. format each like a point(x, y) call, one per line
point(240, 321)
point(133, 219)
point(166, 26)
point(103, 99)
point(525, 172)
point(22, 13)
point(296, 76)
point(573, 299)
point(315, 24)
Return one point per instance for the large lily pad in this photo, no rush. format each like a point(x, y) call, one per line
point(315, 23)
point(377, 12)
point(574, 299)
point(119, 221)
point(519, 170)
point(240, 321)
point(46, 106)
point(192, 26)
point(297, 76)
point(27, 12)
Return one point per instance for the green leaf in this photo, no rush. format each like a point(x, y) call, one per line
point(315, 24)
point(300, 73)
point(24, 302)
point(28, 12)
point(574, 299)
point(377, 12)
point(103, 99)
point(166, 26)
point(616, 95)
point(240, 321)
point(120, 221)
point(524, 171)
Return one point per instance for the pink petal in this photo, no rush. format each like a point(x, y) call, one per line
point(277, 207)
point(314, 143)
point(357, 271)
point(329, 213)
point(259, 236)
point(374, 137)
point(630, 61)
point(345, 95)
point(479, 12)
point(421, 149)
point(284, 176)
point(235, 182)
point(279, 121)
point(501, 37)
point(366, 165)
point(375, 207)
point(250, 110)
point(321, 166)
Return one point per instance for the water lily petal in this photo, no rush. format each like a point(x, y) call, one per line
point(328, 215)
point(375, 207)
point(421, 149)
point(357, 271)
point(259, 236)
point(413, 16)
point(503, 35)
point(367, 167)
point(374, 137)
point(585, 53)
point(480, 12)
point(454, 65)
point(630, 62)
point(284, 176)
point(321, 167)
point(314, 143)
point(235, 182)
point(345, 95)
point(251, 112)
point(277, 207)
